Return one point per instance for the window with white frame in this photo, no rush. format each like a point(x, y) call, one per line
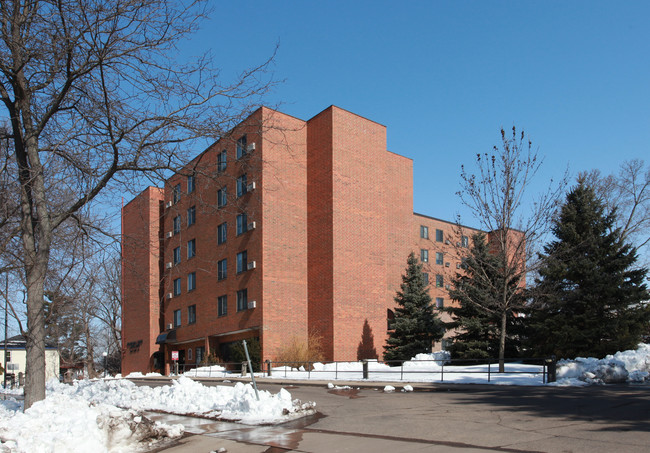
point(191, 248)
point(464, 241)
point(222, 197)
point(191, 215)
point(241, 147)
point(439, 281)
point(424, 255)
point(191, 314)
point(439, 236)
point(222, 269)
point(176, 194)
point(242, 261)
point(222, 231)
point(424, 232)
point(241, 185)
point(191, 183)
point(222, 161)
point(439, 258)
point(191, 281)
point(222, 306)
point(241, 223)
point(242, 299)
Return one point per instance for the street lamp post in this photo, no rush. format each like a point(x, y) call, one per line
point(105, 354)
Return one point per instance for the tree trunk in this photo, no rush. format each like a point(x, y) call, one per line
point(35, 336)
point(502, 342)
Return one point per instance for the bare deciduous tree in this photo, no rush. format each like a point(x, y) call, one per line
point(95, 92)
point(497, 197)
point(629, 193)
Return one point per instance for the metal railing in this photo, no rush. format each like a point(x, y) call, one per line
point(445, 370)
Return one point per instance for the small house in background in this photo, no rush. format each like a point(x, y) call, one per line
point(16, 358)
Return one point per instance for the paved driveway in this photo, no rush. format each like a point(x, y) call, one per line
point(445, 419)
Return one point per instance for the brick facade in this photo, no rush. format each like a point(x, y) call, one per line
point(333, 226)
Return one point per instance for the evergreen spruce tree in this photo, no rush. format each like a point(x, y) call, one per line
point(415, 326)
point(477, 316)
point(589, 300)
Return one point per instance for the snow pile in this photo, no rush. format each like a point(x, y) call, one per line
point(65, 423)
point(625, 366)
point(188, 397)
point(207, 371)
point(407, 388)
point(137, 374)
point(389, 389)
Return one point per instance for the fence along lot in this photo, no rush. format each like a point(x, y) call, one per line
point(517, 371)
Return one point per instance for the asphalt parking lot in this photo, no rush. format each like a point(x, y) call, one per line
point(445, 418)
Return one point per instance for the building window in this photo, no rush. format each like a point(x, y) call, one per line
point(426, 277)
point(439, 258)
point(241, 147)
point(200, 353)
point(222, 269)
point(242, 261)
point(191, 281)
point(424, 256)
point(241, 186)
point(177, 318)
point(424, 232)
point(191, 248)
point(222, 197)
point(439, 281)
point(191, 183)
point(189, 352)
point(439, 236)
point(177, 287)
point(176, 195)
point(177, 255)
point(241, 223)
point(221, 161)
point(464, 241)
point(177, 224)
point(242, 299)
point(191, 314)
point(222, 306)
point(191, 216)
point(440, 302)
point(222, 231)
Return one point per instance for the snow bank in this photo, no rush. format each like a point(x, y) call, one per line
point(207, 371)
point(65, 423)
point(188, 397)
point(104, 415)
point(625, 366)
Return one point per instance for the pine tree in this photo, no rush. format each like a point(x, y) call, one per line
point(589, 300)
point(477, 316)
point(415, 326)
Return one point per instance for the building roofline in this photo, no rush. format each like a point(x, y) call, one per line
point(448, 222)
point(332, 106)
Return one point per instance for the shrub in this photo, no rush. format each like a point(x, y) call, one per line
point(299, 352)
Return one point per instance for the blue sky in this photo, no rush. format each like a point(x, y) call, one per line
point(444, 77)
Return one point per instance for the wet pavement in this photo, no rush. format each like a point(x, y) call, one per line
point(466, 418)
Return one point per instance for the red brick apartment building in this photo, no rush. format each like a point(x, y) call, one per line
point(283, 227)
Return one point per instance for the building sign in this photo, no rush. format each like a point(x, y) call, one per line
point(174, 355)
